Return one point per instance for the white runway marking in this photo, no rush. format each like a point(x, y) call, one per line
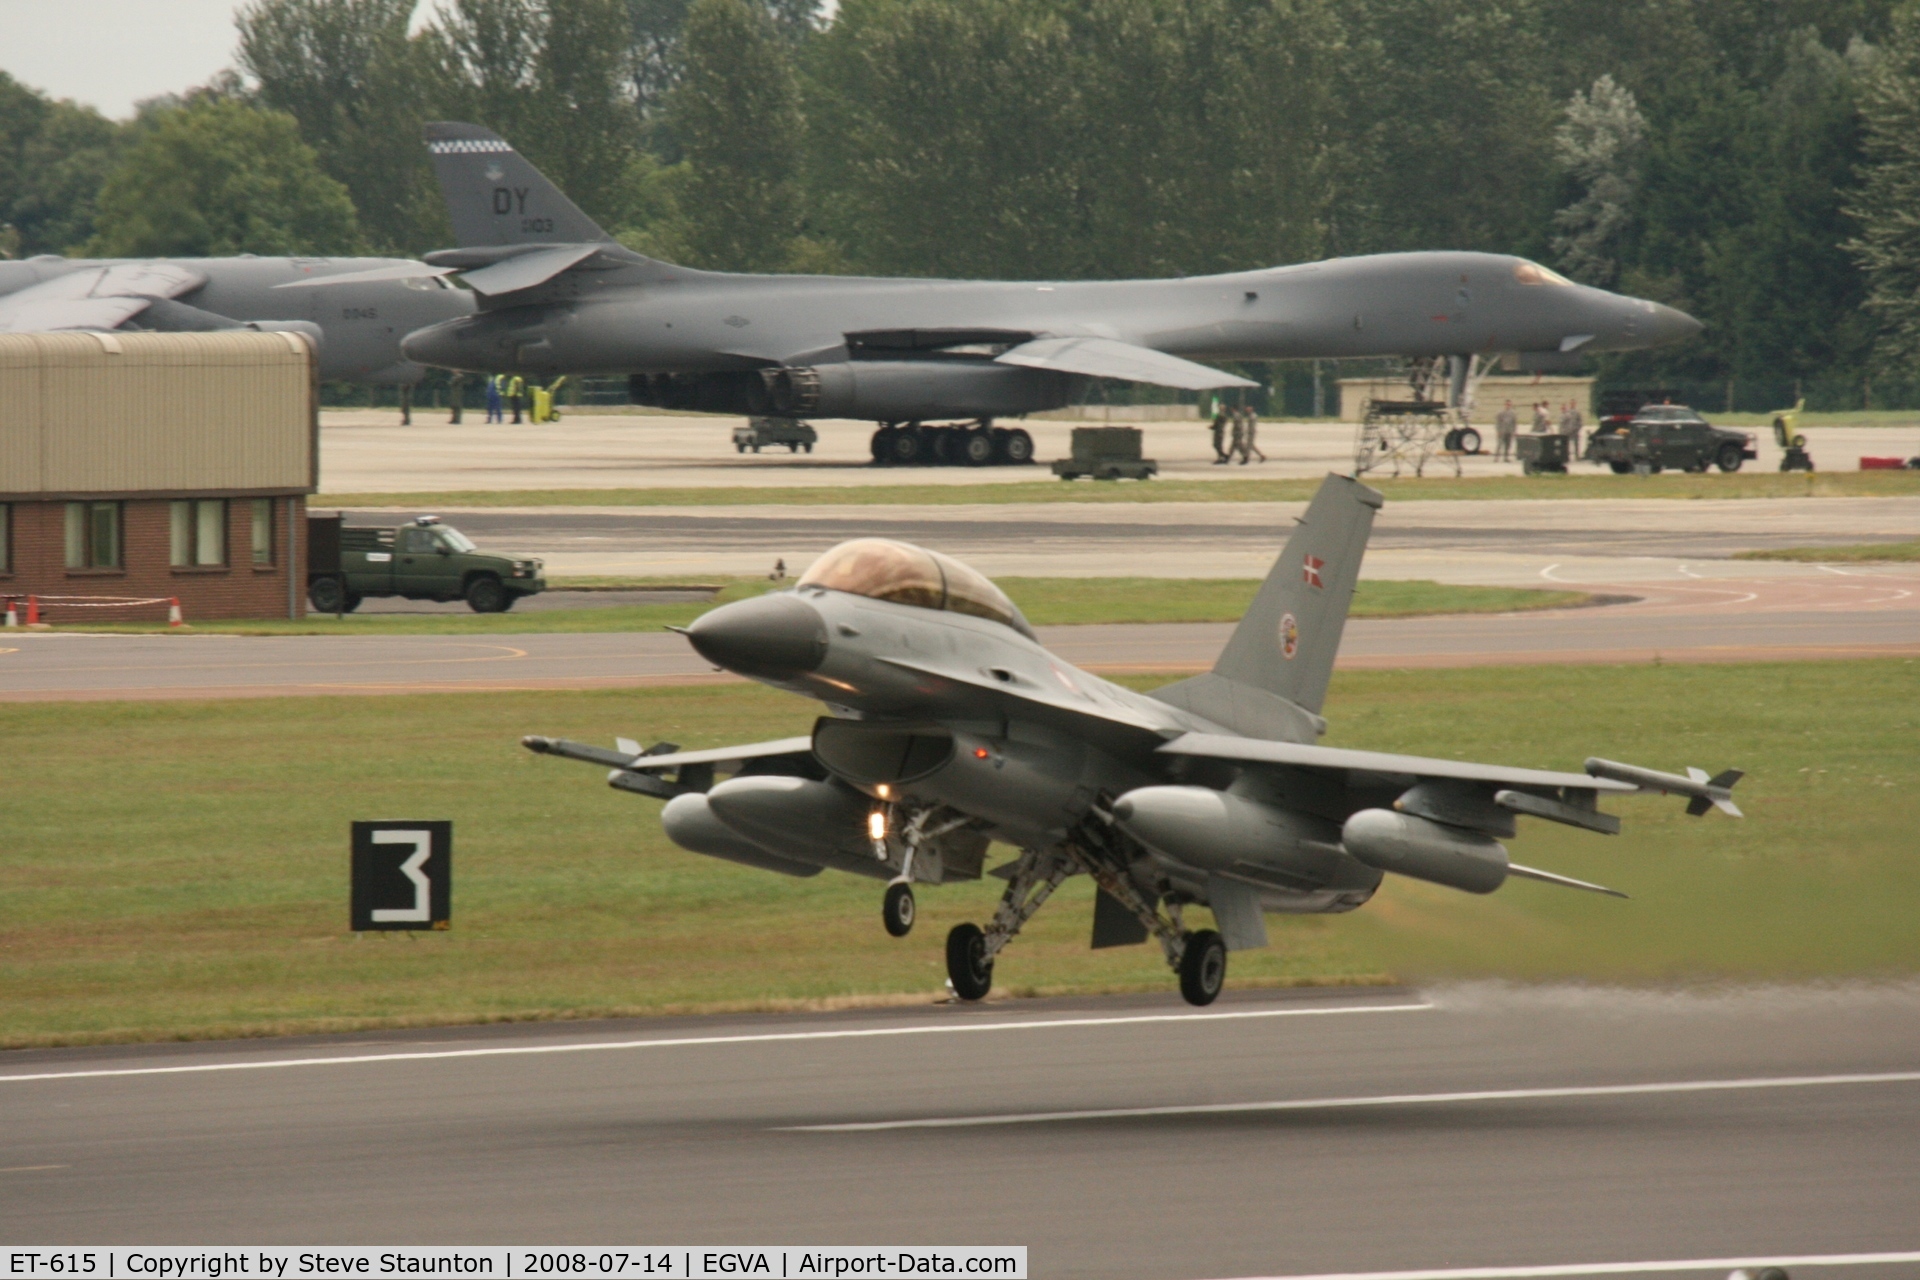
point(1377, 1100)
point(771, 1037)
point(1617, 1268)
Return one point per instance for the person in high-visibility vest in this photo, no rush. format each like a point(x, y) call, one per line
point(493, 400)
point(516, 395)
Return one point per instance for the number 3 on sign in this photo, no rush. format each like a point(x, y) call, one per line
point(402, 875)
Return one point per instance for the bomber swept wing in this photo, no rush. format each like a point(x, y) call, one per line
point(1126, 361)
point(96, 298)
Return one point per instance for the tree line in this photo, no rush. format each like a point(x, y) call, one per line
point(1754, 164)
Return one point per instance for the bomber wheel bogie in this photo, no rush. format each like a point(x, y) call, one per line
point(968, 969)
point(897, 909)
point(1203, 967)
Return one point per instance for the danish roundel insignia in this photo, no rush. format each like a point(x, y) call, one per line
point(1289, 635)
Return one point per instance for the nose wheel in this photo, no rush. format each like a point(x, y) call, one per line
point(897, 909)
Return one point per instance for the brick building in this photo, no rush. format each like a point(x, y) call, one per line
point(138, 466)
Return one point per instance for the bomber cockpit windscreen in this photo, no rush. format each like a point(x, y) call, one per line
point(882, 569)
point(1525, 272)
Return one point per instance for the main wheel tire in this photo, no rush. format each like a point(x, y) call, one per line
point(353, 601)
point(976, 449)
point(1621, 468)
point(944, 446)
point(897, 910)
point(1451, 442)
point(882, 446)
point(1019, 447)
point(327, 595)
point(968, 968)
point(1203, 967)
point(1469, 441)
point(907, 448)
point(1729, 460)
point(486, 595)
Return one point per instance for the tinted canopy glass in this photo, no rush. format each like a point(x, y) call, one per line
point(1533, 273)
point(882, 569)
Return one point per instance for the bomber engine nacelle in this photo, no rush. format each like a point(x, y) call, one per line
point(1218, 831)
point(874, 390)
point(1426, 850)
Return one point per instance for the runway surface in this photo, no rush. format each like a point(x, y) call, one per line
point(1502, 541)
point(1274, 1134)
point(1859, 614)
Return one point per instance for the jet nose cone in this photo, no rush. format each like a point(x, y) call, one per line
point(774, 637)
point(432, 345)
point(1672, 325)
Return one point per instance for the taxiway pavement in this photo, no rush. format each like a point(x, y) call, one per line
point(1121, 1138)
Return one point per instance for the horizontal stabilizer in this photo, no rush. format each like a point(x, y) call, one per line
point(526, 270)
point(1548, 877)
point(393, 271)
point(1108, 358)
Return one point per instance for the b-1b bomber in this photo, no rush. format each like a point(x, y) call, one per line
point(948, 727)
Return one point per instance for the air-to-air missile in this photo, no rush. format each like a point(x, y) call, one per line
point(557, 294)
point(948, 726)
point(355, 310)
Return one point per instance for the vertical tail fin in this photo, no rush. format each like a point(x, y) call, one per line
point(494, 197)
point(1286, 643)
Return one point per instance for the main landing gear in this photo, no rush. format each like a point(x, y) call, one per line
point(965, 444)
point(1199, 958)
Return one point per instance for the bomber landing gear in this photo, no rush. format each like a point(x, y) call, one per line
point(967, 444)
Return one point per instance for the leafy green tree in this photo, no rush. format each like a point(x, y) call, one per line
point(218, 177)
point(348, 73)
point(53, 158)
point(736, 115)
point(1887, 205)
point(1599, 145)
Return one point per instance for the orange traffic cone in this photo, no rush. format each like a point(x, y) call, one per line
point(173, 612)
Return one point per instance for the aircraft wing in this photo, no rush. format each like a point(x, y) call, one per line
point(1108, 358)
point(94, 297)
point(723, 759)
point(523, 271)
point(1112, 726)
point(1309, 756)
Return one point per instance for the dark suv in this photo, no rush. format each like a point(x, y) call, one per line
point(1669, 435)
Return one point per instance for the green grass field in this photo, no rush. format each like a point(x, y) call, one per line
point(1045, 601)
point(1858, 553)
point(178, 869)
point(1595, 484)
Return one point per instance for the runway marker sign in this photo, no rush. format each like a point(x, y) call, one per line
point(402, 875)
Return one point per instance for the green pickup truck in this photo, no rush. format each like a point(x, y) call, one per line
point(423, 560)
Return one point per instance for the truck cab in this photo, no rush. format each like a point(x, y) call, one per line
point(422, 560)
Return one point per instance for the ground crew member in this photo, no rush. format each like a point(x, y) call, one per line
point(516, 395)
point(1219, 433)
point(1570, 425)
point(1541, 423)
point(1237, 447)
point(493, 400)
point(1247, 445)
point(1505, 423)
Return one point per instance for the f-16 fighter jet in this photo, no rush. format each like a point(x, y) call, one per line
point(948, 726)
point(356, 324)
point(559, 295)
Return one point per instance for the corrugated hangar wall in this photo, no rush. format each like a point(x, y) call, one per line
point(99, 413)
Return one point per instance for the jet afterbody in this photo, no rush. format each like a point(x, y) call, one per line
point(948, 726)
point(558, 295)
point(356, 325)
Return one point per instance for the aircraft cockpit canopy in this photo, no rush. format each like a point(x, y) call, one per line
point(882, 569)
point(1525, 272)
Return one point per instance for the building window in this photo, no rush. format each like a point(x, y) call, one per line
point(199, 533)
point(263, 532)
point(93, 535)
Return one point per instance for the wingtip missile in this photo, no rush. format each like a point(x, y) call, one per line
point(1702, 792)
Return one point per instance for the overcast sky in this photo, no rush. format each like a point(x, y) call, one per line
point(112, 53)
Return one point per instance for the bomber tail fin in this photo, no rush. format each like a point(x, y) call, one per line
point(1271, 679)
point(495, 197)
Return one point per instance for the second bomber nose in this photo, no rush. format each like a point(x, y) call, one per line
point(775, 637)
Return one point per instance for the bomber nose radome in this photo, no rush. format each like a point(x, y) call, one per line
point(1672, 325)
point(775, 637)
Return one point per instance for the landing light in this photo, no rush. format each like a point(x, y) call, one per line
point(877, 825)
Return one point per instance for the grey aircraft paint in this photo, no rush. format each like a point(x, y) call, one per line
point(947, 726)
point(558, 295)
point(358, 324)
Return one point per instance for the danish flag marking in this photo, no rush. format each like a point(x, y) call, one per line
point(1310, 571)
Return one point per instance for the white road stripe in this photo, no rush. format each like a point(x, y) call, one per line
point(945, 1028)
point(1376, 1100)
point(1617, 1268)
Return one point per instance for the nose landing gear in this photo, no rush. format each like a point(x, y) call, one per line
point(897, 909)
